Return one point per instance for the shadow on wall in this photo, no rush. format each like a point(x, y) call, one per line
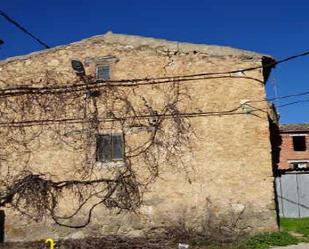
point(2, 222)
point(276, 142)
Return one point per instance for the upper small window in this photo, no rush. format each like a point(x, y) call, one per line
point(103, 72)
point(299, 143)
point(109, 147)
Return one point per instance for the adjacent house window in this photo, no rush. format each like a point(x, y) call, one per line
point(103, 72)
point(299, 164)
point(109, 147)
point(299, 143)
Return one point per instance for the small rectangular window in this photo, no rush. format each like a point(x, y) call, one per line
point(103, 72)
point(299, 165)
point(109, 147)
point(299, 143)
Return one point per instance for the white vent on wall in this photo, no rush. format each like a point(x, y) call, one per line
point(299, 164)
point(245, 106)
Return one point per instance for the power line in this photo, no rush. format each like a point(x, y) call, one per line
point(43, 122)
point(295, 102)
point(281, 97)
point(144, 116)
point(28, 123)
point(100, 84)
point(141, 81)
point(66, 89)
point(234, 111)
point(14, 22)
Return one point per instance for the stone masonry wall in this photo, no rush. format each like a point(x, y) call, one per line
point(228, 186)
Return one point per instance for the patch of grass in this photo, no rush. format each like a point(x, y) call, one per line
point(259, 241)
point(265, 240)
point(295, 225)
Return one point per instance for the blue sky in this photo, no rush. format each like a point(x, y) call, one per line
point(278, 28)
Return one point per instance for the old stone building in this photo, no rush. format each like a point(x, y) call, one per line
point(167, 144)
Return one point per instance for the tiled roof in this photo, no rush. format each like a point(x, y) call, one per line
point(295, 127)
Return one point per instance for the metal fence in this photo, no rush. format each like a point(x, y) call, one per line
point(293, 194)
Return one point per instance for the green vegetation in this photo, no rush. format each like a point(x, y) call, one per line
point(259, 241)
point(300, 226)
point(265, 240)
point(292, 231)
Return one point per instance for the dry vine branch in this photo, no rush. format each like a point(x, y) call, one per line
point(155, 134)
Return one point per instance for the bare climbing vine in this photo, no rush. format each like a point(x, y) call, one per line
point(48, 148)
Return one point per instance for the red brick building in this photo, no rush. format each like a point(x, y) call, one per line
point(294, 154)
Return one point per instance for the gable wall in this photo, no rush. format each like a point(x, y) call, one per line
point(228, 173)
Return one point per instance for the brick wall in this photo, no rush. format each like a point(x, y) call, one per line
point(287, 151)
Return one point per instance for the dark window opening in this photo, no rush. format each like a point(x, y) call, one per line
point(109, 147)
point(299, 143)
point(103, 72)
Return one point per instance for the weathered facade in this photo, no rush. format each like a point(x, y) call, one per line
point(224, 182)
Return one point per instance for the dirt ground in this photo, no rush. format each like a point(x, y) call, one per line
point(299, 246)
point(106, 243)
